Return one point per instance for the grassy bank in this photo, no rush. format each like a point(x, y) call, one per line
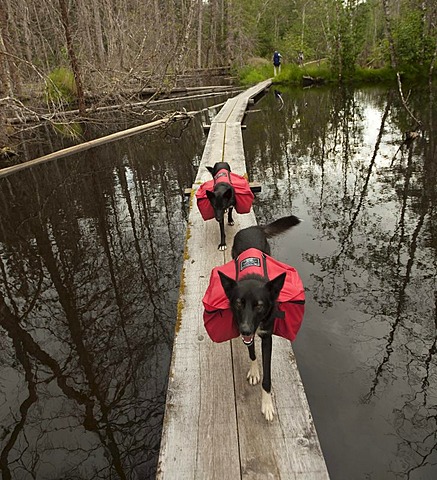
point(295, 75)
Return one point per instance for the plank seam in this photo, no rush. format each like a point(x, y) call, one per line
point(240, 462)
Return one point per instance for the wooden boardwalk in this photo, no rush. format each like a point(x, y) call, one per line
point(213, 425)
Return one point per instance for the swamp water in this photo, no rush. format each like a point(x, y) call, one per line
point(91, 249)
point(366, 251)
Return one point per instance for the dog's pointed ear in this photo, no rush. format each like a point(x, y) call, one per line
point(275, 285)
point(210, 170)
point(210, 195)
point(228, 284)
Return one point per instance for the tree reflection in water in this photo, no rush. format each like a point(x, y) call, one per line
point(91, 250)
point(367, 253)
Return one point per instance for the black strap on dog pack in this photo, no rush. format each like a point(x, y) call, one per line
point(264, 260)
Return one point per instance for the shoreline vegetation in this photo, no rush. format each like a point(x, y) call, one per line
point(320, 73)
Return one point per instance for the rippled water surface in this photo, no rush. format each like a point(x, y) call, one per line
point(90, 255)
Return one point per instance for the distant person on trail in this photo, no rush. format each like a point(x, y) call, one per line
point(276, 62)
point(300, 58)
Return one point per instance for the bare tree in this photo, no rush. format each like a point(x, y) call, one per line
point(199, 34)
point(9, 78)
point(391, 45)
point(72, 55)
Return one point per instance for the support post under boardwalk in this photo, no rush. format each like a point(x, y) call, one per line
point(213, 425)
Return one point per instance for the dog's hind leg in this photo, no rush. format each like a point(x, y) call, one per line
point(267, 402)
point(230, 219)
point(222, 244)
point(253, 375)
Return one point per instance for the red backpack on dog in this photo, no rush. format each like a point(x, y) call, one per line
point(243, 193)
point(217, 316)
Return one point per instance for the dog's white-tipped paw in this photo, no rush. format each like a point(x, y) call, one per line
point(231, 223)
point(267, 408)
point(222, 247)
point(253, 375)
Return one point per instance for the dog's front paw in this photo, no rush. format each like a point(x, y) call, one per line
point(267, 406)
point(253, 375)
point(222, 247)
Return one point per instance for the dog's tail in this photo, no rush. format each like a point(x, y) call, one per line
point(280, 226)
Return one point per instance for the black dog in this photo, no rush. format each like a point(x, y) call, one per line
point(222, 199)
point(253, 303)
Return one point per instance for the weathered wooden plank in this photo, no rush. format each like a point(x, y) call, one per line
point(212, 153)
point(234, 109)
point(288, 447)
point(199, 432)
point(233, 149)
point(199, 438)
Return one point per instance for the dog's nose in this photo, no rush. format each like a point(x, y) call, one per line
point(246, 331)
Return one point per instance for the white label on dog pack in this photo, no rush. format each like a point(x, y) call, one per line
point(250, 262)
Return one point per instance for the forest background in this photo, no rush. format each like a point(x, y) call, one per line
point(69, 52)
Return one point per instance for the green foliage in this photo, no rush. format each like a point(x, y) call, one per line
point(70, 130)
point(291, 47)
point(374, 75)
point(290, 74)
point(413, 46)
point(318, 71)
point(349, 36)
point(252, 74)
point(61, 86)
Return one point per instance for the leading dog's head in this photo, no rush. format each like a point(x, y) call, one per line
point(252, 301)
point(221, 199)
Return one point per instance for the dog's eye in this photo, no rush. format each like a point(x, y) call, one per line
point(239, 303)
point(260, 305)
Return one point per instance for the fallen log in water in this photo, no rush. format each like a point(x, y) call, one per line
point(4, 172)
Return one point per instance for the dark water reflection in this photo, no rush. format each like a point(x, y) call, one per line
point(90, 254)
point(367, 254)
point(91, 250)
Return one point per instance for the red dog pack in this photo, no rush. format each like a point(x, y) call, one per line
point(217, 316)
point(243, 193)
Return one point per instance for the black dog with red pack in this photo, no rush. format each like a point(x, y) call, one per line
point(253, 299)
point(222, 198)
point(221, 194)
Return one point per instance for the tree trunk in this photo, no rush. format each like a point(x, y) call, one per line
point(391, 44)
point(184, 42)
point(72, 56)
point(199, 35)
point(9, 78)
point(98, 35)
point(5, 74)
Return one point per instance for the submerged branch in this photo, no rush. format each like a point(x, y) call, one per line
point(404, 102)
